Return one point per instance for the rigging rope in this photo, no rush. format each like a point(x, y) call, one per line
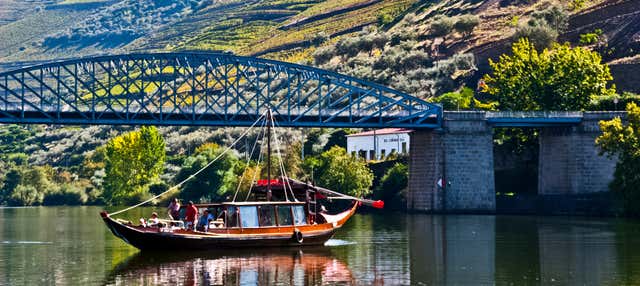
point(255, 174)
point(283, 172)
point(248, 160)
point(194, 174)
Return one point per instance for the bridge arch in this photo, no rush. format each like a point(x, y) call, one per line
point(208, 89)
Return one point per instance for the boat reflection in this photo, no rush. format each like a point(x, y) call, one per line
point(237, 267)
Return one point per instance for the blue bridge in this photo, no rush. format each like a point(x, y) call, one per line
point(204, 89)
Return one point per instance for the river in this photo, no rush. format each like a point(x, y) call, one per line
point(71, 246)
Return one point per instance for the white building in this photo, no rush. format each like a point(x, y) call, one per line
point(377, 144)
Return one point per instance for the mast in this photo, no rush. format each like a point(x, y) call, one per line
point(269, 154)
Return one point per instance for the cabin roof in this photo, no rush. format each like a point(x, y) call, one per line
point(249, 203)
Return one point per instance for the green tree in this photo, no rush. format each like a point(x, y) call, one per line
point(26, 186)
point(215, 182)
point(622, 141)
point(561, 78)
point(341, 172)
point(132, 161)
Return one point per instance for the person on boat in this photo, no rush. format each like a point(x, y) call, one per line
point(203, 222)
point(190, 215)
point(151, 222)
point(174, 209)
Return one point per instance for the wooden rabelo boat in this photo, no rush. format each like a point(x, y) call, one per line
point(279, 212)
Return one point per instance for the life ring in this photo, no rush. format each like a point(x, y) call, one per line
point(297, 236)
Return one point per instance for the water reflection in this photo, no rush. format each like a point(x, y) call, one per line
point(239, 267)
point(521, 250)
point(71, 246)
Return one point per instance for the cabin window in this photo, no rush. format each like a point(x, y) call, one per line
point(404, 147)
point(299, 216)
point(249, 216)
point(267, 216)
point(232, 216)
point(284, 215)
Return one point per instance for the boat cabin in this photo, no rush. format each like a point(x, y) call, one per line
point(256, 214)
point(269, 205)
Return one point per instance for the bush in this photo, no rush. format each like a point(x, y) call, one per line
point(158, 188)
point(462, 100)
point(590, 38)
point(608, 102)
point(541, 35)
point(69, 195)
point(466, 23)
point(18, 158)
point(384, 19)
point(442, 26)
point(392, 186)
point(621, 141)
point(554, 16)
point(25, 195)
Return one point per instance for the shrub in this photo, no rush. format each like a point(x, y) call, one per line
point(384, 18)
point(621, 141)
point(392, 186)
point(464, 99)
point(554, 16)
point(608, 102)
point(590, 38)
point(25, 195)
point(466, 23)
point(541, 35)
point(442, 26)
point(67, 195)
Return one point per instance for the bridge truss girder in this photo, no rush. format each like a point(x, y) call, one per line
point(202, 89)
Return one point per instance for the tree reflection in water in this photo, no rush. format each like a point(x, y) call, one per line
point(238, 267)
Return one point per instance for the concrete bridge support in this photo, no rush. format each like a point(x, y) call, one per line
point(461, 155)
point(569, 160)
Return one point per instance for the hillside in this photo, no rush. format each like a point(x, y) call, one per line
point(392, 42)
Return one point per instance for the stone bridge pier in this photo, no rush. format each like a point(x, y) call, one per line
point(452, 169)
point(570, 163)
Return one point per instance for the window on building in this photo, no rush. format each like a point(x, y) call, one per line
point(362, 154)
point(372, 154)
point(404, 147)
point(382, 153)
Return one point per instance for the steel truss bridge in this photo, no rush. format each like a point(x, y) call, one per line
point(203, 89)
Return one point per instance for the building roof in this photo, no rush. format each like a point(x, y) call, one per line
point(384, 131)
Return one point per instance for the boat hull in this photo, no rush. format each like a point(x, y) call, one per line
point(155, 240)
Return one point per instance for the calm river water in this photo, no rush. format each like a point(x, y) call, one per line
point(71, 246)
